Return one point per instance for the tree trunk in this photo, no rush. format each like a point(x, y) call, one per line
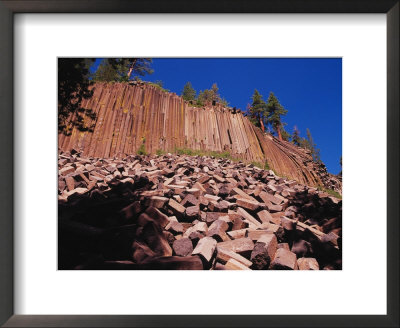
point(262, 125)
point(278, 130)
point(131, 68)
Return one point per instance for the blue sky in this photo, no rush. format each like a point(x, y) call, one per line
point(309, 88)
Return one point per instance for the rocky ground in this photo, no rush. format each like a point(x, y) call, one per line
point(181, 212)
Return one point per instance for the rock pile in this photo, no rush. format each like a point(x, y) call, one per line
point(182, 212)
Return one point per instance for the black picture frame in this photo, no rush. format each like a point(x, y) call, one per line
point(11, 7)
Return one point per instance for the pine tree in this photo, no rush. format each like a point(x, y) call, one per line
point(215, 94)
point(188, 93)
point(285, 135)
point(205, 97)
point(105, 72)
point(296, 136)
point(74, 85)
point(313, 147)
point(275, 111)
point(257, 109)
point(121, 69)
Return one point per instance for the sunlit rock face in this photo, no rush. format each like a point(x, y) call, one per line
point(134, 116)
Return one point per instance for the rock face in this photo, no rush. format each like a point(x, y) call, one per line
point(169, 212)
point(131, 116)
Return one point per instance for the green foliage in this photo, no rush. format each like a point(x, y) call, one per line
point(285, 135)
point(160, 152)
point(142, 150)
point(188, 92)
point(296, 137)
point(214, 93)
point(224, 102)
point(258, 109)
point(263, 166)
point(330, 192)
point(304, 143)
point(196, 152)
point(159, 85)
point(122, 69)
point(205, 97)
point(313, 147)
point(208, 96)
point(74, 86)
point(105, 72)
point(275, 110)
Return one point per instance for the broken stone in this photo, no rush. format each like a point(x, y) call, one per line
point(284, 260)
point(177, 208)
point(157, 201)
point(242, 246)
point(232, 264)
point(248, 217)
point(205, 248)
point(248, 204)
point(225, 255)
point(265, 216)
point(307, 263)
point(70, 181)
point(193, 212)
point(264, 251)
point(183, 247)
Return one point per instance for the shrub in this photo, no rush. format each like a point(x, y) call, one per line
point(141, 150)
point(330, 192)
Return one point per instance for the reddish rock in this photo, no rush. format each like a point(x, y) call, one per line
point(183, 247)
point(205, 248)
point(264, 251)
point(307, 264)
point(242, 246)
point(284, 260)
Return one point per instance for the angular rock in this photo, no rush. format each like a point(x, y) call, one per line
point(248, 204)
point(248, 217)
point(157, 216)
point(307, 263)
point(157, 201)
point(183, 247)
point(225, 255)
point(264, 251)
point(284, 260)
point(242, 246)
point(265, 216)
point(193, 212)
point(232, 264)
point(205, 248)
point(177, 208)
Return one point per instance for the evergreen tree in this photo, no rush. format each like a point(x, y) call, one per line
point(215, 94)
point(285, 135)
point(205, 97)
point(188, 93)
point(313, 147)
point(296, 136)
point(105, 72)
point(257, 109)
point(304, 143)
point(275, 111)
point(74, 85)
point(224, 102)
point(121, 69)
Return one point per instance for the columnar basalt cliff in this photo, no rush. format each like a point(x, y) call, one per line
point(132, 115)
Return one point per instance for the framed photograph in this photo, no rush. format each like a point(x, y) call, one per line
point(186, 164)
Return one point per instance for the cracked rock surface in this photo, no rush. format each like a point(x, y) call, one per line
point(193, 213)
